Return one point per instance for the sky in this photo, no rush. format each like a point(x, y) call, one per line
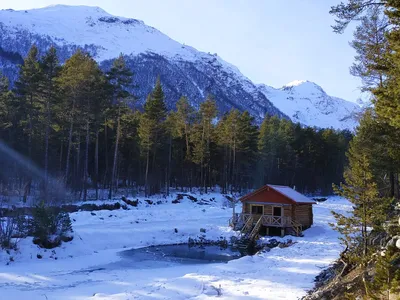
point(271, 41)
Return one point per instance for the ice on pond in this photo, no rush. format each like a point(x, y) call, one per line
point(180, 254)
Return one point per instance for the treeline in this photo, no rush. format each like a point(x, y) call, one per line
point(77, 123)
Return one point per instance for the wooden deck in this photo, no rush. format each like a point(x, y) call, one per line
point(252, 223)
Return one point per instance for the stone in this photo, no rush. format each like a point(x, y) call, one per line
point(398, 244)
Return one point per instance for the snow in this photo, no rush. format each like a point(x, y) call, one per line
point(292, 194)
point(89, 267)
point(307, 103)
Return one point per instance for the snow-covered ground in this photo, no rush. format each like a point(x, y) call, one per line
point(90, 267)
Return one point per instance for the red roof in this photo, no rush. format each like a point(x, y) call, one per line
point(285, 191)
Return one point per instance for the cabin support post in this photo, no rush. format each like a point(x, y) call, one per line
point(282, 232)
point(267, 231)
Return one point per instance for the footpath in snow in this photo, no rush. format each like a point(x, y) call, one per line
point(90, 266)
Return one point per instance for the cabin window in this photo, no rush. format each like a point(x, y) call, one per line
point(277, 211)
point(257, 209)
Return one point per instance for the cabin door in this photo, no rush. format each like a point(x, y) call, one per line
point(257, 211)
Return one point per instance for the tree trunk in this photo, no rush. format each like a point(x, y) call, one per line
point(146, 183)
point(86, 171)
point(96, 164)
point(71, 126)
point(78, 161)
point(46, 147)
point(114, 169)
point(169, 164)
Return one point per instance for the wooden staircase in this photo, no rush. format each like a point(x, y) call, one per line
point(247, 227)
point(248, 233)
point(297, 228)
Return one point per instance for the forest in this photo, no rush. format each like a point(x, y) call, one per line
point(80, 126)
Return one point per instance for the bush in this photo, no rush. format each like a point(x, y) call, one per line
point(11, 228)
point(50, 226)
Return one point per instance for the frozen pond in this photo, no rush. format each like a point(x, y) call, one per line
point(164, 256)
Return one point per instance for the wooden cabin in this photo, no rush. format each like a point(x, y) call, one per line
point(273, 207)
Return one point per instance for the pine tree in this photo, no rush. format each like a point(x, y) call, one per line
point(201, 139)
point(49, 92)
point(247, 147)
point(5, 105)
point(368, 211)
point(152, 133)
point(120, 78)
point(27, 91)
point(371, 45)
point(386, 280)
point(82, 83)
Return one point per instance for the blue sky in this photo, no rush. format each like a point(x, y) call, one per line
point(270, 41)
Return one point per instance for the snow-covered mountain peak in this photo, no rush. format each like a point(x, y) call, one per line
point(305, 102)
point(303, 87)
point(295, 83)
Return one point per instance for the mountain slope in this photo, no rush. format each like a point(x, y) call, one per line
point(183, 70)
point(307, 103)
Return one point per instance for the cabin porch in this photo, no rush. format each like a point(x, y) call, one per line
point(251, 223)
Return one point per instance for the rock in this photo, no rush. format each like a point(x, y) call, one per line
point(176, 230)
point(39, 256)
point(203, 230)
point(92, 213)
point(176, 201)
point(130, 202)
point(398, 244)
point(149, 202)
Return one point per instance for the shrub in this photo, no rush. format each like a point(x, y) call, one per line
point(11, 228)
point(50, 226)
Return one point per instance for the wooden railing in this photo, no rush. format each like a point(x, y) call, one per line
point(252, 223)
point(277, 221)
point(267, 220)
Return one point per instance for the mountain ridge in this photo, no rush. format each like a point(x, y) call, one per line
point(150, 53)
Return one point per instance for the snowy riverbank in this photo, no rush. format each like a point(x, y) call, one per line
point(89, 267)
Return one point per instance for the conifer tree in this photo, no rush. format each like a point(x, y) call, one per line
point(152, 133)
point(5, 105)
point(120, 78)
point(386, 280)
point(201, 138)
point(368, 211)
point(27, 91)
point(81, 81)
point(49, 92)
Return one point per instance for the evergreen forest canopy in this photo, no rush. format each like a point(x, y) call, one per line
point(78, 125)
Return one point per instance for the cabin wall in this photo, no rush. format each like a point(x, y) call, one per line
point(268, 209)
point(304, 215)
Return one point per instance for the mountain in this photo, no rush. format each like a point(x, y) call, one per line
point(307, 103)
point(182, 69)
